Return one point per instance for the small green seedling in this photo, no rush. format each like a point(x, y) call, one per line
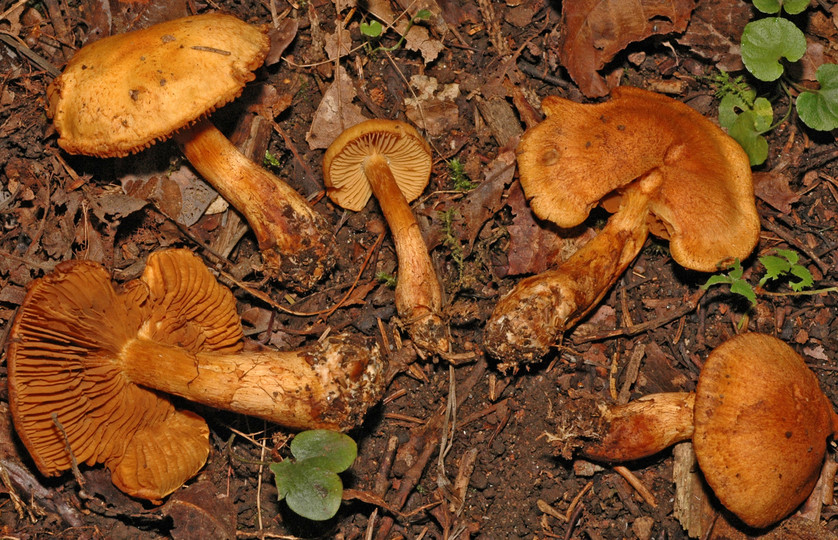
point(387, 279)
point(373, 31)
point(309, 483)
point(459, 177)
point(745, 116)
point(271, 161)
point(782, 265)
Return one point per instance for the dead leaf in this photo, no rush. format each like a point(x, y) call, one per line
point(417, 39)
point(338, 44)
point(180, 194)
point(594, 31)
point(434, 109)
point(199, 512)
point(281, 37)
point(714, 31)
point(335, 112)
point(817, 352)
point(533, 248)
point(485, 200)
point(773, 188)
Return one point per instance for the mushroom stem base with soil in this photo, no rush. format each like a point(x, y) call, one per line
point(528, 320)
point(418, 291)
point(317, 387)
point(295, 240)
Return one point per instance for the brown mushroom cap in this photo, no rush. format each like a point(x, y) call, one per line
point(123, 93)
point(406, 152)
point(64, 361)
point(582, 152)
point(761, 426)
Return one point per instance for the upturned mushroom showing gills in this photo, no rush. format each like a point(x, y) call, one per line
point(89, 367)
point(389, 159)
point(668, 169)
point(758, 421)
point(123, 93)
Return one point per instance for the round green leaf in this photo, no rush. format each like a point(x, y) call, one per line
point(282, 478)
point(768, 6)
point(766, 41)
point(744, 132)
point(763, 114)
point(819, 109)
point(334, 451)
point(315, 493)
point(793, 7)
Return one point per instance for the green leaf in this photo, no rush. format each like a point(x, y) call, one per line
point(805, 277)
point(732, 104)
point(767, 6)
point(819, 108)
point(788, 254)
point(793, 7)
point(766, 41)
point(744, 132)
point(423, 14)
point(763, 114)
point(743, 288)
point(371, 29)
point(717, 279)
point(310, 491)
point(775, 267)
point(334, 451)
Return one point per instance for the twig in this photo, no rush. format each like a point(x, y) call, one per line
point(637, 485)
point(689, 305)
point(73, 463)
point(782, 233)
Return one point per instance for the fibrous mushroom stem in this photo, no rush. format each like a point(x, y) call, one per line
point(418, 291)
point(642, 427)
point(326, 386)
point(295, 240)
point(528, 320)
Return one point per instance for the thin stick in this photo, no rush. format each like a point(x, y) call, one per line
point(73, 463)
point(637, 485)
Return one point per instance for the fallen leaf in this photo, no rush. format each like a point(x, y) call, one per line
point(817, 352)
point(335, 112)
point(714, 31)
point(199, 512)
point(484, 201)
point(179, 194)
point(773, 188)
point(533, 247)
point(281, 37)
point(434, 109)
point(594, 31)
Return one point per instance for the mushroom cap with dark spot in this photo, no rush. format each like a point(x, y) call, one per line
point(761, 427)
point(407, 154)
point(123, 93)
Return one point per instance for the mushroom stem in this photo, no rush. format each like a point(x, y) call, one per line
point(418, 291)
point(642, 427)
point(528, 320)
point(295, 240)
point(325, 386)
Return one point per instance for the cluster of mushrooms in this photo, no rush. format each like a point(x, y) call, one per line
point(93, 365)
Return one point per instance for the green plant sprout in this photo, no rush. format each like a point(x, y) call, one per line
point(783, 265)
point(765, 44)
point(459, 177)
point(271, 160)
point(373, 31)
point(309, 483)
point(387, 279)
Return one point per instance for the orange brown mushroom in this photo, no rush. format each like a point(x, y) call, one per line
point(389, 159)
point(758, 420)
point(121, 94)
point(669, 169)
point(89, 366)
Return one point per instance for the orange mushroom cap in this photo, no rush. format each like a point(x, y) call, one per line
point(125, 92)
point(406, 152)
point(582, 153)
point(761, 427)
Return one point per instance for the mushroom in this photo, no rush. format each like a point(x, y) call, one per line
point(758, 420)
point(88, 366)
point(123, 93)
point(667, 168)
point(389, 159)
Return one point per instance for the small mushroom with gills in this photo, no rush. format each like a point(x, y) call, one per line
point(90, 366)
point(389, 159)
point(758, 421)
point(123, 93)
point(667, 168)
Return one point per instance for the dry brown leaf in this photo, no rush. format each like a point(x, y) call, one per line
point(335, 113)
point(199, 512)
point(532, 247)
point(484, 201)
point(594, 31)
point(774, 189)
point(714, 31)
